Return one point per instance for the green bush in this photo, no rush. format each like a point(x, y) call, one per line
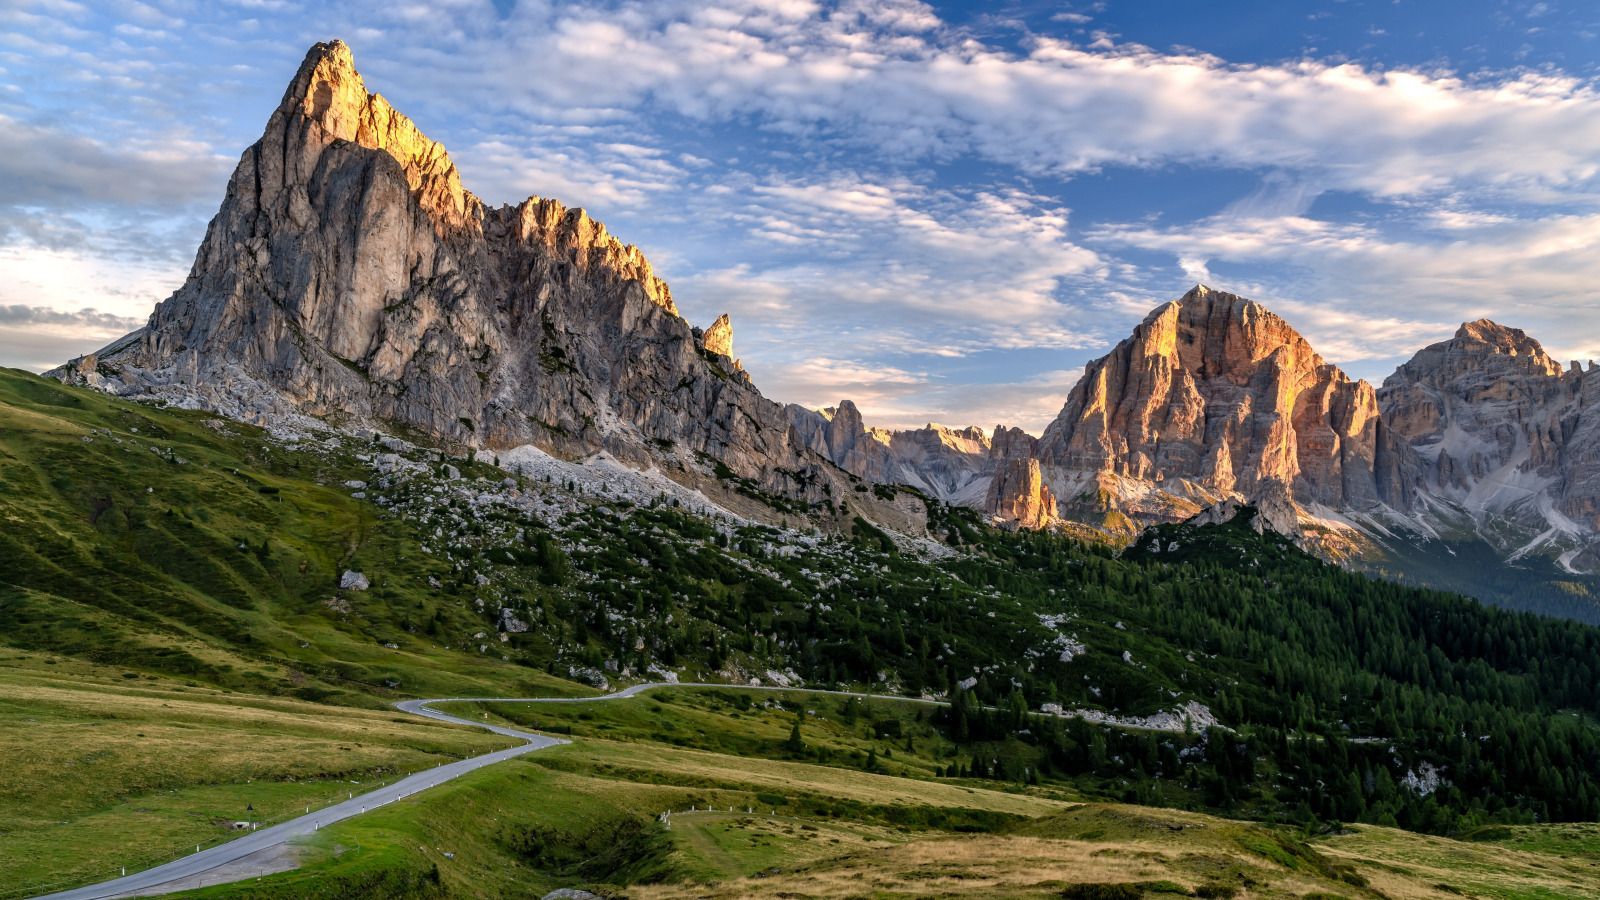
point(1163, 887)
point(1101, 890)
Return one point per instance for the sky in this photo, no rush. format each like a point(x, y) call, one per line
point(940, 211)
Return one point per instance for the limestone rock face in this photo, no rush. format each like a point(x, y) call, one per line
point(947, 464)
point(1012, 443)
point(838, 434)
point(1018, 495)
point(1478, 402)
point(1273, 510)
point(349, 273)
point(1213, 396)
point(718, 339)
point(1502, 433)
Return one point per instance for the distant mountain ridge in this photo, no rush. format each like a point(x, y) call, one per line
point(1478, 460)
point(948, 464)
point(1507, 442)
point(1482, 449)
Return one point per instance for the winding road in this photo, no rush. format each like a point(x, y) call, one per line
point(255, 841)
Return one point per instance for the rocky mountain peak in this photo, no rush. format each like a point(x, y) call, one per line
point(1477, 347)
point(1019, 496)
point(950, 464)
point(1501, 429)
point(965, 440)
point(718, 339)
point(1213, 332)
point(1213, 394)
point(1511, 341)
point(349, 274)
point(329, 101)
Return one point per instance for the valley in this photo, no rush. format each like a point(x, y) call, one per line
point(1178, 633)
point(1234, 625)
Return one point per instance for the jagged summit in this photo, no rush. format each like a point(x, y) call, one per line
point(1512, 341)
point(948, 464)
point(1502, 430)
point(349, 274)
point(1475, 345)
point(329, 95)
point(1211, 395)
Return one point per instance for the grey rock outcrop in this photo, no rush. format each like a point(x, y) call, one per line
point(947, 464)
point(1214, 391)
point(1211, 399)
point(1214, 402)
point(1507, 440)
point(349, 274)
point(718, 339)
point(1018, 495)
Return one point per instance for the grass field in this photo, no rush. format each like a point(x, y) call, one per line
point(836, 731)
point(104, 771)
point(552, 819)
point(177, 657)
point(169, 542)
point(586, 815)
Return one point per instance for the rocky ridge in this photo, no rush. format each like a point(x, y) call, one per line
point(1212, 397)
point(1507, 442)
point(947, 464)
point(1214, 402)
point(348, 275)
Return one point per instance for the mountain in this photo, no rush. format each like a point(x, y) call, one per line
point(1216, 666)
point(1473, 468)
point(1506, 440)
point(349, 275)
point(946, 464)
point(1212, 397)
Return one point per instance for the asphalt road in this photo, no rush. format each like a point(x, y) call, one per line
point(222, 854)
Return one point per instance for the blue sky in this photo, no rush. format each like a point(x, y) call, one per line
point(940, 211)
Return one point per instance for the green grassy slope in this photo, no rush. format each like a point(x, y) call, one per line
point(586, 816)
point(104, 771)
point(167, 543)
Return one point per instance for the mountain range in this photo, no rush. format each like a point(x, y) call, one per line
point(348, 275)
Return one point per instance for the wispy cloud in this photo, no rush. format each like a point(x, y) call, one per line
point(15, 315)
point(1533, 273)
point(874, 193)
point(891, 78)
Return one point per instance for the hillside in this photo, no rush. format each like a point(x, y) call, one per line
point(168, 542)
point(585, 816)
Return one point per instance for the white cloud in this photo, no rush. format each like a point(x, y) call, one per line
point(1360, 293)
point(66, 281)
point(49, 167)
point(37, 338)
point(890, 77)
point(895, 398)
point(982, 260)
point(848, 243)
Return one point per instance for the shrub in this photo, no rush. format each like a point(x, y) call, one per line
point(1100, 890)
point(1163, 887)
